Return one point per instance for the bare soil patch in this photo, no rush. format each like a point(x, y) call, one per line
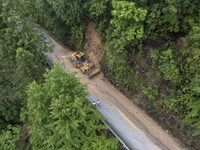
point(93, 45)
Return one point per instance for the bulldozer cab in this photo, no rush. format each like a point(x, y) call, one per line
point(79, 57)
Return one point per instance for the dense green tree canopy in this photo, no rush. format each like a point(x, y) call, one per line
point(9, 138)
point(22, 47)
point(60, 116)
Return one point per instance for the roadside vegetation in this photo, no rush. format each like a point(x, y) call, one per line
point(39, 108)
point(151, 49)
point(60, 116)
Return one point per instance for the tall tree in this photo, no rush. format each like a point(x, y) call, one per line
point(22, 47)
point(9, 138)
point(60, 117)
point(127, 20)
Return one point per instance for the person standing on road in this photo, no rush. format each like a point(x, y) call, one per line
point(94, 103)
point(98, 102)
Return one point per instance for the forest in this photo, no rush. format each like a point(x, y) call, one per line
point(151, 51)
point(40, 108)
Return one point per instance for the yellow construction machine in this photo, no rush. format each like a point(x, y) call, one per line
point(79, 60)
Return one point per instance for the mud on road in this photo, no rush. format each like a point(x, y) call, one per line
point(135, 127)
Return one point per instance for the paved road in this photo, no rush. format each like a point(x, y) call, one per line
point(136, 129)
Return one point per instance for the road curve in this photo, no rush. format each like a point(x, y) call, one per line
point(136, 128)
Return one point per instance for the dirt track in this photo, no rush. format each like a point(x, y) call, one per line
point(137, 129)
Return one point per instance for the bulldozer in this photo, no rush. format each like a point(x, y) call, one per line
point(79, 60)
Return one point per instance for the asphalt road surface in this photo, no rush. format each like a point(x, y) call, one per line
point(133, 126)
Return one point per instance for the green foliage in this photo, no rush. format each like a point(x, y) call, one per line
point(193, 103)
point(193, 51)
point(68, 10)
point(162, 17)
point(46, 16)
point(188, 13)
point(166, 65)
point(194, 37)
point(170, 16)
point(151, 92)
point(22, 48)
point(3, 124)
point(60, 116)
point(77, 36)
point(186, 100)
point(9, 138)
point(128, 21)
point(191, 90)
point(63, 18)
point(96, 8)
point(117, 65)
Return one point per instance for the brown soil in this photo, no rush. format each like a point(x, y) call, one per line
point(93, 45)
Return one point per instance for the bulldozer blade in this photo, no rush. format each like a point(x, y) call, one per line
point(91, 73)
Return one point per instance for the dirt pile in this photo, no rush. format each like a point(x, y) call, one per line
point(93, 45)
